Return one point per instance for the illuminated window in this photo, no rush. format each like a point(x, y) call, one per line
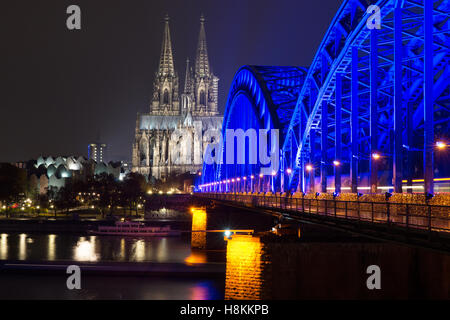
point(166, 97)
point(202, 98)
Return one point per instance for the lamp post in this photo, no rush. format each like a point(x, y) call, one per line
point(252, 189)
point(245, 184)
point(288, 171)
point(310, 169)
point(260, 182)
point(374, 181)
point(337, 172)
point(238, 182)
point(272, 182)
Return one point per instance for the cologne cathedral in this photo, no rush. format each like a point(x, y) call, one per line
point(171, 139)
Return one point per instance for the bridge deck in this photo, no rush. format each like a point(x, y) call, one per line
point(415, 223)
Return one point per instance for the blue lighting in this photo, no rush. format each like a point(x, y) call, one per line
point(367, 91)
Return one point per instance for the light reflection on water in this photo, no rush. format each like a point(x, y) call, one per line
point(54, 247)
point(3, 246)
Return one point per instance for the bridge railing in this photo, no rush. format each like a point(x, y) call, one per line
point(408, 215)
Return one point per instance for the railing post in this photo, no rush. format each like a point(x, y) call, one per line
point(372, 211)
point(335, 209)
point(407, 218)
point(388, 213)
point(429, 218)
point(303, 204)
point(346, 209)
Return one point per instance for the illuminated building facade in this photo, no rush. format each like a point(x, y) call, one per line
point(170, 138)
point(97, 152)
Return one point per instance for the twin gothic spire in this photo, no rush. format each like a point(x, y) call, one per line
point(166, 67)
point(200, 86)
point(201, 60)
point(166, 61)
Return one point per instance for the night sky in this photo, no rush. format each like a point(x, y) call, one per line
point(63, 89)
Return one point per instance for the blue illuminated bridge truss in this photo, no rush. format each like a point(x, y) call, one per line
point(371, 112)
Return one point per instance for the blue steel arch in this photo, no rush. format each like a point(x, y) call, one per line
point(260, 97)
point(369, 91)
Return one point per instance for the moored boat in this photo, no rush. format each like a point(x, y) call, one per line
point(135, 228)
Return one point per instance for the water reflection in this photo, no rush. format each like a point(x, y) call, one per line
point(23, 246)
point(139, 249)
point(51, 247)
point(196, 257)
point(122, 250)
point(201, 291)
point(161, 252)
point(73, 247)
point(3, 246)
point(85, 250)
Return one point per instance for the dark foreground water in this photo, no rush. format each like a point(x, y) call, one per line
point(74, 247)
point(33, 286)
point(35, 247)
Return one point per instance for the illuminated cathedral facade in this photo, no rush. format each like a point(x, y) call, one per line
point(172, 137)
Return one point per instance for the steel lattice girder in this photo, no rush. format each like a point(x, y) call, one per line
point(273, 93)
point(347, 40)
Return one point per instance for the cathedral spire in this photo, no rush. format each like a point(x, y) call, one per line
point(166, 66)
point(188, 89)
point(201, 61)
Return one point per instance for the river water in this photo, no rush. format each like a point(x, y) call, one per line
point(40, 247)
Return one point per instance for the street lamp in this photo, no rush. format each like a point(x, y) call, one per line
point(273, 185)
point(310, 169)
point(260, 182)
point(374, 173)
point(245, 184)
point(440, 145)
point(337, 177)
point(288, 170)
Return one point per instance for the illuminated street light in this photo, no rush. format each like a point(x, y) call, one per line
point(252, 177)
point(273, 173)
point(289, 170)
point(376, 156)
point(440, 145)
point(309, 167)
point(336, 163)
point(261, 175)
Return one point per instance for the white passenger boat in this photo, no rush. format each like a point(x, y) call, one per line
point(133, 228)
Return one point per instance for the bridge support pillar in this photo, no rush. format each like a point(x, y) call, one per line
point(199, 222)
point(428, 105)
point(398, 102)
point(324, 134)
point(373, 161)
point(338, 135)
point(354, 158)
